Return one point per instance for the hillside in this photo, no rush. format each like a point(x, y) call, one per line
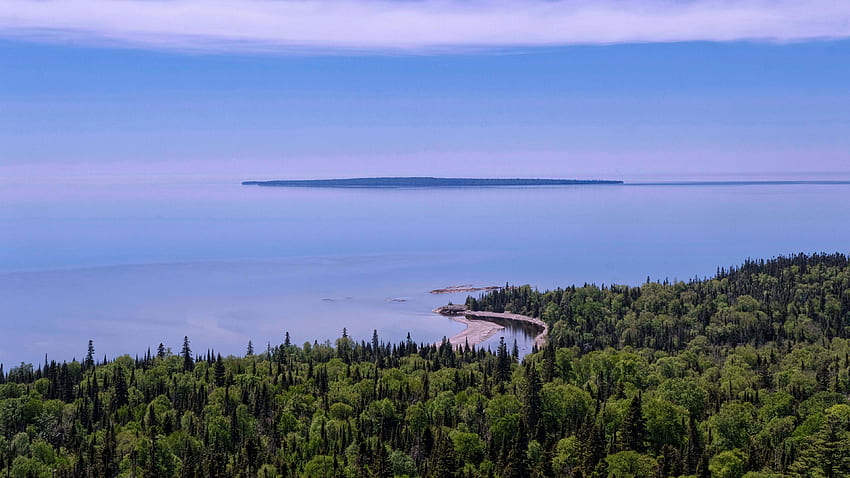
point(743, 374)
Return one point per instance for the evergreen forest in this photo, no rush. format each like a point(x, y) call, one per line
point(744, 374)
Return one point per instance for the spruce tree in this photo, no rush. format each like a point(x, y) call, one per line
point(120, 397)
point(503, 362)
point(444, 461)
point(89, 362)
point(186, 352)
point(219, 371)
point(532, 405)
point(632, 431)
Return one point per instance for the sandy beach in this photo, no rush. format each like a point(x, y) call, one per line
point(476, 331)
point(480, 325)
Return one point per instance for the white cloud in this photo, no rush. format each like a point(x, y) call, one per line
point(310, 26)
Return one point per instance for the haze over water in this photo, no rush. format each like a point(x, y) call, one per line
point(130, 264)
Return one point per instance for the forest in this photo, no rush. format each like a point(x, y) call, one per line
point(744, 374)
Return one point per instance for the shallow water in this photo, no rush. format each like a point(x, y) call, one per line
point(130, 265)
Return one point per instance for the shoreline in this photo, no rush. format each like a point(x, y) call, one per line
point(481, 326)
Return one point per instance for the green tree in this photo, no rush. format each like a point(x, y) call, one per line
point(733, 425)
point(630, 464)
point(186, 353)
point(632, 433)
point(728, 464)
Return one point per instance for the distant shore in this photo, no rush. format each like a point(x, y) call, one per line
point(481, 325)
point(464, 288)
point(425, 182)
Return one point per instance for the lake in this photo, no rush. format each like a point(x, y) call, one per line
point(130, 264)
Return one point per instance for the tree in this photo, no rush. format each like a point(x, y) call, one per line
point(468, 447)
point(444, 462)
point(564, 408)
point(503, 362)
point(728, 464)
point(665, 424)
point(120, 397)
point(733, 425)
point(250, 351)
point(320, 466)
point(89, 363)
point(186, 353)
point(630, 464)
point(632, 433)
point(517, 462)
point(826, 453)
point(219, 371)
point(567, 456)
point(531, 405)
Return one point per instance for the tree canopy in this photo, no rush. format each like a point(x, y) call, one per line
point(745, 374)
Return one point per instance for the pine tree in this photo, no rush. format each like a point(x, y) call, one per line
point(89, 362)
point(532, 405)
point(219, 371)
point(592, 440)
point(694, 448)
point(826, 452)
point(503, 362)
point(160, 351)
point(186, 353)
point(250, 351)
point(632, 431)
point(381, 462)
point(120, 397)
point(548, 363)
point(517, 463)
point(444, 461)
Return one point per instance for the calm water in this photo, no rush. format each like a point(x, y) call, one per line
point(132, 265)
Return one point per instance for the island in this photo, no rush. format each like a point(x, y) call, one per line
point(426, 182)
point(464, 288)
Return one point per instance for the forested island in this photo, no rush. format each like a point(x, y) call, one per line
point(744, 374)
point(424, 182)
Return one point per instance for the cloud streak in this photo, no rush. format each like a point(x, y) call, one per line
point(423, 26)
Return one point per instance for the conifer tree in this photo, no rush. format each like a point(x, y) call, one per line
point(89, 363)
point(444, 461)
point(632, 433)
point(186, 353)
point(119, 397)
point(503, 362)
point(532, 406)
point(219, 371)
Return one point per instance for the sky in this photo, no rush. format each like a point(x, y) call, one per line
point(257, 89)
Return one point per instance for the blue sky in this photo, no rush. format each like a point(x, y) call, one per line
point(78, 105)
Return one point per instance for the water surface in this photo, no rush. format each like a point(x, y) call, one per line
point(130, 264)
